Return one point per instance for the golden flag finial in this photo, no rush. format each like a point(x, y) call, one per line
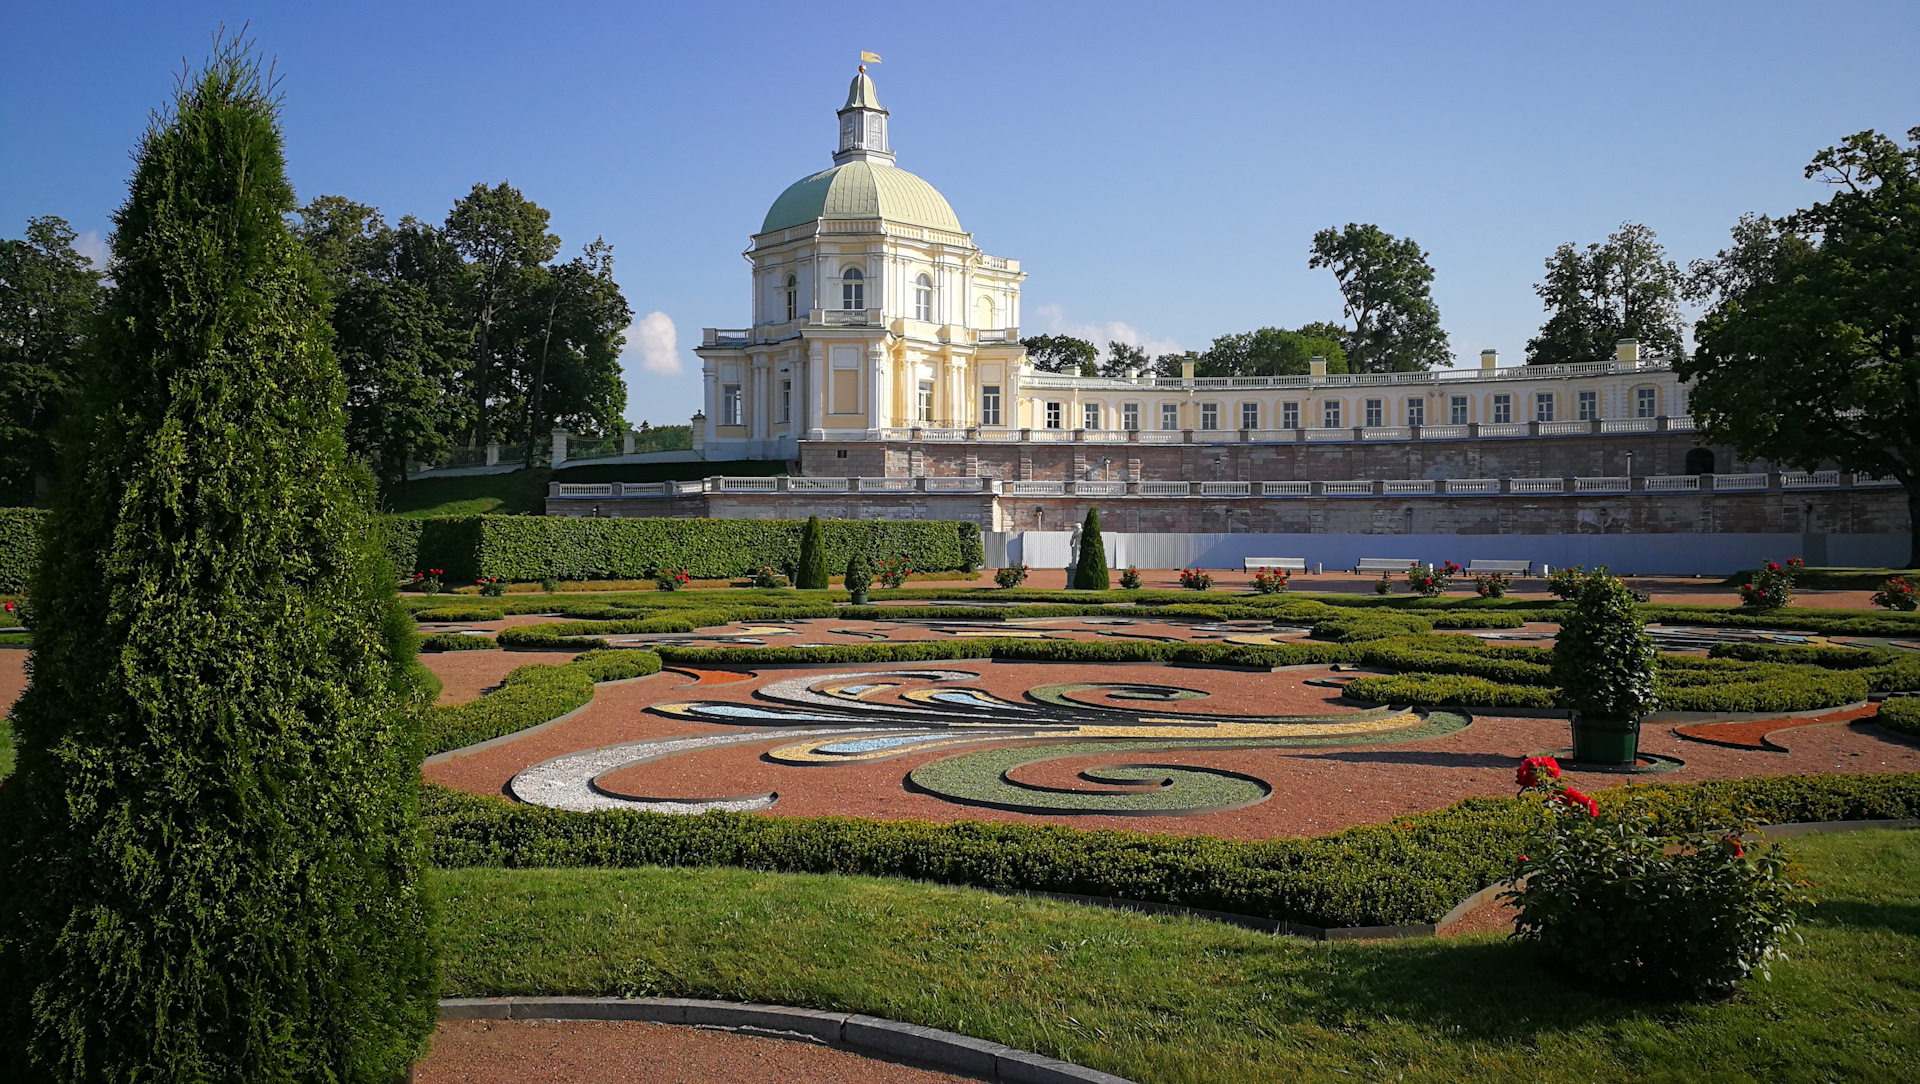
point(868, 58)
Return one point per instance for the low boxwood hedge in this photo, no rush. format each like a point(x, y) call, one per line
point(457, 641)
point(1012, 648)
point(1901, 714)
point(1376, 625)
point(19, 547)
point(529, 696)
point(1412, 869)
point(459, 612)
point(1449, 691)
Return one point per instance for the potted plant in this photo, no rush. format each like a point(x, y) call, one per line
point(1603, 662)
point(859, 576)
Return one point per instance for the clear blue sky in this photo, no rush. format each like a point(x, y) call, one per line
point(1158, 166)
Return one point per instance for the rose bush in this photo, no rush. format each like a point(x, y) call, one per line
point(1271, 581)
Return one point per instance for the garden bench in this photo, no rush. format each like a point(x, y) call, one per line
point(1384, 564)
point(1290, 564)
point(1517, 568)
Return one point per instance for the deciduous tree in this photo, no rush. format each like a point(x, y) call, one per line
point(1269, 351)
point(49, 294)
point(1626, 288)
point(1809, 352)
point(503, 235)
point(1387, 283)
point(1063, 354)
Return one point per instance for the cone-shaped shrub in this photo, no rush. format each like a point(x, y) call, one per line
point(813, 557)
point(209, 850)
point(1603, 659)
point(859, 574)
point(1090, 571)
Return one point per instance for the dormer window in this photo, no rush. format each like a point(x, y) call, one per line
point(923, 299)
point(793, 297)
point(853, 289)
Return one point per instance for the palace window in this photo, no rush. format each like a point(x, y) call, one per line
point(1053, 415)
point(793, 297)
point(1169, 415)
point(1457, 410)
point(989, 404)
point(1416, 410)
point(1646, 402)
point(1376, 412)
point(1130, 416)
point(1502, 408)
point(925, 401)
point(1330, 414)
point(732, 406)
point(923, 299)
point(1543, 406)
point(786, 400)
point(1209, 415)
point(1249, 415)
point(1289, 415)
point(853, 289)
point(1589, 406)
point(1090, 415)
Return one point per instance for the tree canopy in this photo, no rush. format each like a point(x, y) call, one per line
point(1625, 288)
point(1063, 354)
point(1387, 284)
point(1808, 353)
point(1271, 351)
point(49, 294)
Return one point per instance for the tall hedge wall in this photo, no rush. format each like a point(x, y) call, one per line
point(19, 547)
point(535, 547)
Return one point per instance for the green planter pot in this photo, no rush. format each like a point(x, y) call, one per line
point(1606, 741)
point(860, 597)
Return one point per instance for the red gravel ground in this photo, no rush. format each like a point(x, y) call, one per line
point(464, 675)
point(13, 674)
point(1316, 789)
point(593, 1052)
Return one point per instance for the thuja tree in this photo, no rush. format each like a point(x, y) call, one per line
point(813, 557)
point(1090, 571)
point(1603, 659)
point(210, 844)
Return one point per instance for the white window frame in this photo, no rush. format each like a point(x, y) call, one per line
point(793, 297)
point(1646, 402)
point(853, 289)
point(1249, 415)
point(923, 299)
point(1330, 412)
point(1458, 410)
point(1169, 416)
point(1588, 406)
point(1543, 406)
point(1290, 415)
point(1375, 412)
point(1089, 415)
point(989, 404)
point(923, 401)
point(733, 405)
point(786, 400)
point(1502, 408)
point(1416, 410)
point(1056, 413)
point(1210, 416)
point(1130, 417)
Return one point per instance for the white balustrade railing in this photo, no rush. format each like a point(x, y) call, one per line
point(1629, 425)
point(749, 485)
point(1443, 432)
point(955, 485)
point(889, 485)
point(1103, 436)
point(1226, 489)
point(1802, 479)
point(944, 433)
point(586, 489)
point(1602, 485)
point(1388, 432)
point(1537, 485)
point(1286, 489)
point(1035, 489)
point(1873, 480)
point(1395, 487)
point(1268, 436)
point(817, 485)
point(1050, 436)
point(1503, 429)
point(1473, 485)
point(1564, 429)
point(1162, 436)
point(643, 489)
point(1165, 489)
point(1671, 483)
point(684, 488)
point(1680, 423)
point(1100, 489)
point(1723, 483)
point(1328, 434)
point(1351, 488)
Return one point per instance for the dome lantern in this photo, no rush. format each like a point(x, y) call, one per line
point(863, 124)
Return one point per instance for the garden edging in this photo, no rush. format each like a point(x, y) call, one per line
point(868, 1034)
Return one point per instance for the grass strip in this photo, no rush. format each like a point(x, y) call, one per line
point(1174, 999)
point(529, 696)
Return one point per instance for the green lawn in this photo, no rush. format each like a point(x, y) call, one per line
point(522, 491)
point(1162, 999)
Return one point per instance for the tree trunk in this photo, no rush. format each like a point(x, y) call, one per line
point(539, 380)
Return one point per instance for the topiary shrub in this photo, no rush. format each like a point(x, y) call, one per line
point(1603, 659)
point(859, 574)
point(210, 851)
point(1090, 569)
point(813, 557)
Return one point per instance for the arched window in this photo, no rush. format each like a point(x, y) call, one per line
point(923, 298)
point(793, 297)
point(985, 313)
point(853, 289)
point(1700, 461)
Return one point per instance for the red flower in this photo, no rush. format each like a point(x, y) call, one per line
point(1536, 771)
point(1772, 567)
point(1733, 843)
point(1576, 800)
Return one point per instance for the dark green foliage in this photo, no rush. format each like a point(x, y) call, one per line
point(812, 574)
point(1090, 570)
point(1015, 648)
point(19, 547)
point(1900, 714)
point(471, 611)
point(1470, 620)
point(457, 641)
point(1448, 691)
point(1603, 658)
point(49, 296)
point(529, 548)
point(1373, 625)
point(1412, 869)
point(859, 574)
point(209, 850)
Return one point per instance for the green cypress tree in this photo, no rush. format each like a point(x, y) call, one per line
point(210, 851)
point(1090, 571)
point(813, 557)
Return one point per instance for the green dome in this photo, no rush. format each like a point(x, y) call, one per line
point(862, 190)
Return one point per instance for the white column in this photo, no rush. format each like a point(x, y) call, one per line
point(710, 376)
point(877, 389)
point(957, 399)
point(813, 404)
point(762, 391)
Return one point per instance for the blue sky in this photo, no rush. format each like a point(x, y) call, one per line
point(1159, 169)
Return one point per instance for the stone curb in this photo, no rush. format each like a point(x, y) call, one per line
point(931, 1046)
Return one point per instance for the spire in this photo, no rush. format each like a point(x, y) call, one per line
point(863, 124)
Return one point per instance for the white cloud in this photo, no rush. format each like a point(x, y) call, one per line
point(653, 341)
point(1054, 321)
point(94, 248)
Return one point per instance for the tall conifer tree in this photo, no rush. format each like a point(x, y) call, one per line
point(1090, 569)
point(813, 574)
point(209, 852)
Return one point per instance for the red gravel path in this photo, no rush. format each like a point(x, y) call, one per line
point(13, 675)
point(594, 1052)
point(464, 675)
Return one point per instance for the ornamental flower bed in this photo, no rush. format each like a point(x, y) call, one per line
point(765, 576)
point(1492, 584)
point(892, 572)
point(1430, 581)
point(1196, 579)
point(428, 582)
point(1565, 584)
point(1271, 581)
point(1130, 579)
point(1771, 586)
point(1011, 576)
point(671, 579)
point(492, 586)
point(1620, 903)
point(1896, 593)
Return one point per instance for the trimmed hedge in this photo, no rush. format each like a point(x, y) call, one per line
point(1411, 869)
point(456, 641)
point(1901, 714)
point(457, 612)
point(1012, 648)
point(19, 547)
point(1450, 691)
point(523, 548)
point(1379, 625)
point(531, 695)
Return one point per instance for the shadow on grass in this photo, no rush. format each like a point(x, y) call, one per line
point(1900, 918)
